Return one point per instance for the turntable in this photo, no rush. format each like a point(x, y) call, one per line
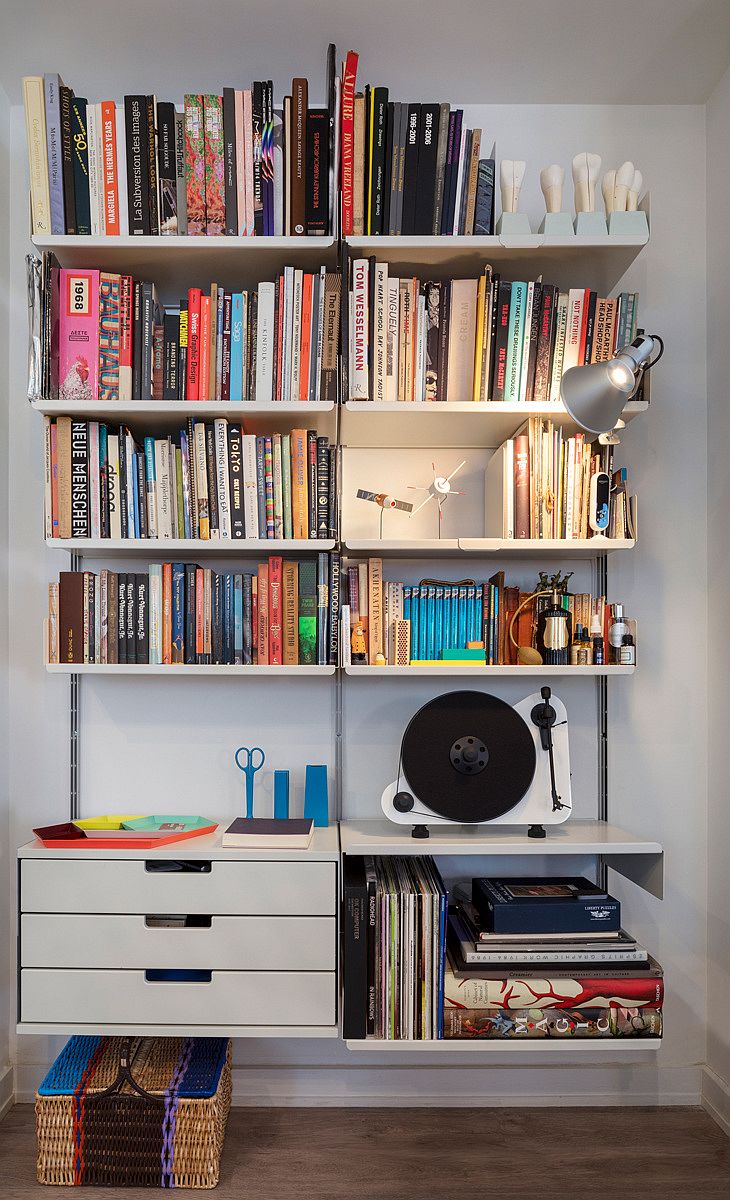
point(470, 758)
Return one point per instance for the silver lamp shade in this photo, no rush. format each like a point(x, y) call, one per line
point(595, 395)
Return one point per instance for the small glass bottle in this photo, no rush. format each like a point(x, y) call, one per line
point(597, 641)
point(585, 654)
point(616, 630)
point(576, 646)
point(627, 653)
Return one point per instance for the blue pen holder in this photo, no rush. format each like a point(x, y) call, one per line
point(315, 796)
point(281, 795)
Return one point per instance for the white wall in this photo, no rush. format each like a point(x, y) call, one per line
point(658, 767)
point(717, 1077)
point(6, 844)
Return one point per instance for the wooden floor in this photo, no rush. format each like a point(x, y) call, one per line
point(439, 1154)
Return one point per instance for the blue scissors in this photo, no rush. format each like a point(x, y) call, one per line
point(249, 771)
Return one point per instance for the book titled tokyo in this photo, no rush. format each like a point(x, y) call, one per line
point(78, 335)
point(544, 906)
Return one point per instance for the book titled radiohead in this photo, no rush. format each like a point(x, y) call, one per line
point(263, 834)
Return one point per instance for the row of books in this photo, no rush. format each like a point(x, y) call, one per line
point(391, 623)
point(211, 480)
point(224, 163)
point(283, 614)
point(538, 485)
point(474, 339)
point(393, 948)
point(112, 340)
point(546, 957)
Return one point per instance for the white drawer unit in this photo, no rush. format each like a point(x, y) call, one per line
point(184, 938)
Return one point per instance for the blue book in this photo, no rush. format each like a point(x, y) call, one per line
point(460, 643)
point(415, 621)
point(438, 637)
point(261, 485)
point(489, 644)
point(103, 476)
point(238, 620)
point(422, 620)
point(470, 613)
point(515, 338)
point(479, 615)
point(178, 612)
point(406, 602)
point(52, 90)
point(228, 618)
point(545, 905)
point(150, 476)
point(446, 620)
point(454, 631)
point(135, 493)
point(236, 393)
point(431, 622)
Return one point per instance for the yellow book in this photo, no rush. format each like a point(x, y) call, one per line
point(35, 130)
point(375, 609)
point(481, 294)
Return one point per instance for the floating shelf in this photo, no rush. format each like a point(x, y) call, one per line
point(454, 669)
point(175, 259)
point(571, 837)
point(577, 548)
point(585, 1047)
point(449, 425)
point(324, 847)
point(166, 547)
point(172, 671)
point(227, 1031)
point(255, 417)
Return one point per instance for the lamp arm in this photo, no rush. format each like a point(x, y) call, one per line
point(516, 614)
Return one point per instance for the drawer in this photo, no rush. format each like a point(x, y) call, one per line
point(232, 943)
point(126, 997)
point(237, 888)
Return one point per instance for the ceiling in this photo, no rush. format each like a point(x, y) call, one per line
point(466, 51)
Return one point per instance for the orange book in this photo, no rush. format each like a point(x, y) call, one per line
point(275, 611)
point(262, 592)
point(306, 340)
point(299, 496)
point(166, 613)
point(204, 372)
point(109, 166)
point(199, 615)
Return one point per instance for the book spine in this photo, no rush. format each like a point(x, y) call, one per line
point(536, 1023)
point(153, 199)
point(167, 167)
point(80, 152)
point(230, 166)
point(299, 157)
point(312, 483)
point(428, 146)
point(275, 611)
point(317, 172)
point(359, 373)
point(67, 156)
point(181, 205)
point(78, 335)
point(195, 166)
point(354, 949)
point(109, 337)
point(333, 633)
point(54, 156)
point(322, 609)
point(215, 202)
point(307, 593)
point(347, 141)
point(110, 198)
point(138, 183)
point(35, 129)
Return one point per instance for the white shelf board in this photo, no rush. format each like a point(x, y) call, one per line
point(228, 1031)
point(262, 672)
point(584, 1047)
point(164, 548)
point(257, 417)
point(571, 837)
point(578, 548)
point(453, 669)
point(324, 847)
point(452, 424)
point(176, 259)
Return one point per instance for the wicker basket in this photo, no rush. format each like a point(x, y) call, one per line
point(134, 1112)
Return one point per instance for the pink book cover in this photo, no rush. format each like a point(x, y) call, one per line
point(78, 335)
point(195, 164)
point(215, 196)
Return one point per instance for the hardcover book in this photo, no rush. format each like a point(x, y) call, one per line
point(195, 166)
point(78, 335)
point(260, 833)
point(215, 200)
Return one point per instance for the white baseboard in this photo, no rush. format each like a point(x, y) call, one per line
point(716, 1098)
point(7, 1094)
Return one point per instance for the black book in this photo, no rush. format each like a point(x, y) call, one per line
point(371, 881)
point(334, 609)
point(210, 461)
point(235, 480)
point(190, 613)
point(141, 494)
point(147, 339)
point(229, 161)
point(455, 148)
point(141, 617)
point(229, 652)
point(122, 618)
point(138, 175)
point(379, 136)
point(410, 171)
point(354, 947)
point(267, 166)
point(257, 121)
point(331, 182)
point(499, 345)
point(428, 136)
point(65, 96)
point(590, 326)
point(323, 583)
point(167, 166)
point(541, 385)
point(131, 618)
point(137, 340)
point(122, 491)
point(80, 143)
point(448, 168)
point(366, 174)
point(388, 174)
point(484, 206)
point(103, 484)
point(247, 629)
point(152, 166)
point(534, 332)
point(443, 342)
point(317, 172)
point(80, 524)
point(332, 515)
point(312, 481)
point(216, 632)
point(171, 354)
point(323, 484)
point(182, 353)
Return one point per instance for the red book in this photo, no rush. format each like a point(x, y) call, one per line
point(126, 337)
point(522, 486)
point(275, 612)
point(306, 340)
point(199, 614)
point(204, 356)
point(109, 166)
point(166, 613)
point(263, 612)
point(584, 327)
point(347, 140)
point(192, 391)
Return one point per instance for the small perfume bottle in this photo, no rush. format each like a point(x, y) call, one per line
point(576, 647)
point(627, 653)
point(616, 630)
point(597, 641)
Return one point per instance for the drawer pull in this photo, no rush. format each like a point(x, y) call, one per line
point(177, 921)
point(178, 866)
point(169, 975)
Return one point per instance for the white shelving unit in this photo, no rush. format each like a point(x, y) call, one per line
point(476, 669)
point(173, 670)
point(592, 1048)
point(165, 547)
point(578, 548)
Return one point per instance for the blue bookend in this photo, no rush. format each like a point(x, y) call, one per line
point(315, 796)
point(281, 795)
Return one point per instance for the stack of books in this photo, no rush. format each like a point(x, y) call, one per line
point(210, 481)
point(546, 958)
point(474, 339)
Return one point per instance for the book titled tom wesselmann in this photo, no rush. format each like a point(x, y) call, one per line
point(568, 905)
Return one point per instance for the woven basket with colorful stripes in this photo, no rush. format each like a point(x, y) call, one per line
point(134, 1112)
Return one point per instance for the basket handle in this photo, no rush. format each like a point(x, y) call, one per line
point(124, 1075)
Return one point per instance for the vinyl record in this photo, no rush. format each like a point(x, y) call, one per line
point(468, 756)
